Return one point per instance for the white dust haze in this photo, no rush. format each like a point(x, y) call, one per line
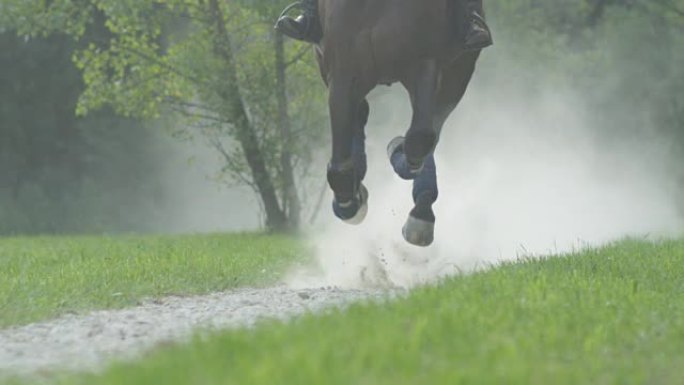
point(193, 198)
point(518, 176)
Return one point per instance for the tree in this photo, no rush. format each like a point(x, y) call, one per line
point(217, 65)
point(38, 131)
point(65, 174)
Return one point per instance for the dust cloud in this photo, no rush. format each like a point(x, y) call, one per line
point(192, 196)
point(520, 173)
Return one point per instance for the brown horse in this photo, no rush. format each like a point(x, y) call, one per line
point(371, 42)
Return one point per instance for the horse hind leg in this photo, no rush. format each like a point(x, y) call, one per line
point(341, 174)
point(407, 154)
point(419, 228)
point(354, 211)
point(420, 225)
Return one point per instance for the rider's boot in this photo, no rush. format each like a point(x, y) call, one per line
point(478, 34)
point(306, 27)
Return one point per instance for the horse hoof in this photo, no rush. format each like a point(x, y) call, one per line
point(419, 232)
point(395, 145)
point(363, 208)
point(354, 213)
point(397, 158)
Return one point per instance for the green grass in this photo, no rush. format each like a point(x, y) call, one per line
point(42, 278)
point(609, 316)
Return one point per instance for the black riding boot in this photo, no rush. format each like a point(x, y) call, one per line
point(478, 35)
point(306, 27)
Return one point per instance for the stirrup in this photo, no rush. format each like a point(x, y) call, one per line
point(298, 4)
point(479, 35)
point(304, 27)
point(292, 28)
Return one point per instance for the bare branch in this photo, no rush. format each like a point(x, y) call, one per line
point(298, 56)
point(216, 143)
point(198, 115)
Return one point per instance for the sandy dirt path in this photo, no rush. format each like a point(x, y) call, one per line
point(88, 342)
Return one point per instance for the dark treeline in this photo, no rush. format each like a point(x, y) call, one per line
point(60, 173)
point(63, 173)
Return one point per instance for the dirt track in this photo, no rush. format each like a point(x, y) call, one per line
point(89, 341)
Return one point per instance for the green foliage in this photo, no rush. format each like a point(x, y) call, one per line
point(603, 316)
point(60, 173)
point(42, 18)
point(209, 65)
point(43, 278)
point(162, 56)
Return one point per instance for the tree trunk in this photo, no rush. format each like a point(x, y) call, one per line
point(237, 113)
point(290, 197)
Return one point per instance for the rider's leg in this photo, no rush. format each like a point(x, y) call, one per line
point(478, 34)
point(305, 27)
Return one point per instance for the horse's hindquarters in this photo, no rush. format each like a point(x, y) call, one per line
point(367, 42)
point(380, 38)
point(405, 35)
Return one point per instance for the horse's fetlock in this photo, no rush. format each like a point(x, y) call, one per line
point(342, 181)
point(423, 208)
point(418, 145)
